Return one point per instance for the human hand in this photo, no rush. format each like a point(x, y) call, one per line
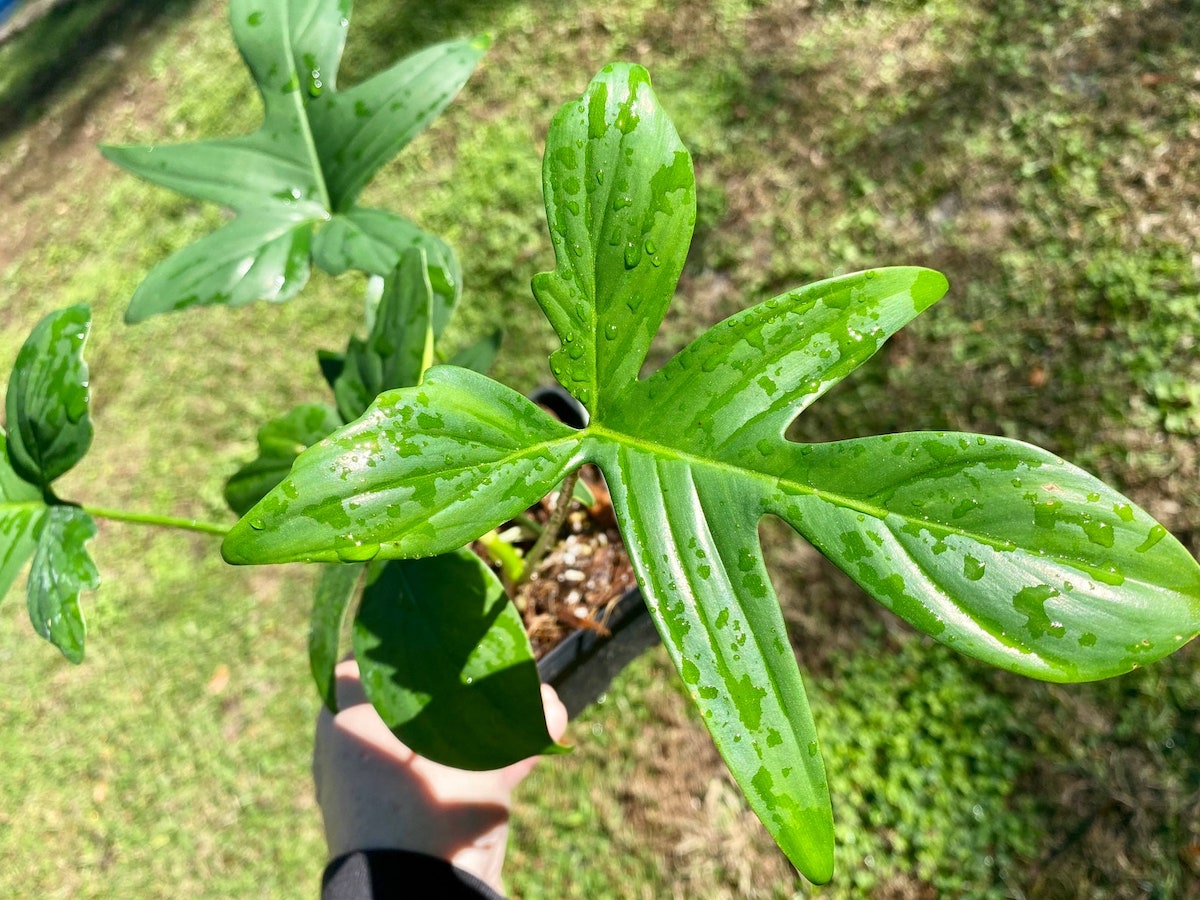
point(375, 793)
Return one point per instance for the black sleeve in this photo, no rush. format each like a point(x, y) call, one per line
point(384, 874)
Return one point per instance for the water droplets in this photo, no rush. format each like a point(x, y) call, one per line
point(1156, 534)
point(633, 255)
point(973, 569)
point(358, 551)
point(315, 83)
point(690, 672)
point(965, 506)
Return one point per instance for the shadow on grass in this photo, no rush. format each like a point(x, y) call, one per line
point(37, 63)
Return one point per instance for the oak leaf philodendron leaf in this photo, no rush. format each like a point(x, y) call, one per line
point(50, 430)
point(294, 182)
point(990, 545)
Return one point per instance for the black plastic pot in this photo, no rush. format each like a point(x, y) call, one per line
point(583, 666)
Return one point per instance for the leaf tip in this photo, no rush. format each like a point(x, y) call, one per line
point(133, 316)
point(638, 75)
point(929, 287)
point(233, 547)
point(481, 42)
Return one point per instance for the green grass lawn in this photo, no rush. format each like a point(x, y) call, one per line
point(1042, 155)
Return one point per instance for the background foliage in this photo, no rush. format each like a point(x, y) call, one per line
point(1041, 154)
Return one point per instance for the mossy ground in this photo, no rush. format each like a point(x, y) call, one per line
point(1043, 155)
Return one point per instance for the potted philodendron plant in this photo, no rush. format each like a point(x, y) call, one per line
point(992, 546)
point(293, 185)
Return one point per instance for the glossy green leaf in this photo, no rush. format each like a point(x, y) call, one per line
point(995, 547)
point(379, 486)
point(21, 511)
point(692, 536)
point(258, 256)
point(61, 570)
point(49, 429)
point(304, 167)
point(357, 130)
point(280, 441)
point(335, 591)
point(446, 662)
point(621, 203)
point(399, 348)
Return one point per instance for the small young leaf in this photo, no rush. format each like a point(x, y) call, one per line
point(49, 429)
point(21, 512)
point(62, 569)
point(335, 590)
point(305, 165)
point(446, 662)
point(280, 441)
point(582, 494)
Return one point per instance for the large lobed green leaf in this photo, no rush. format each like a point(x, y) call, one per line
point(294, 182)
point(990, 545)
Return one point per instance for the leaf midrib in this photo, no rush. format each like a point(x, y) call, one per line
point(301, 107)
point(840, 500)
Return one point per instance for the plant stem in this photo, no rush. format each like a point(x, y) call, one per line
point(529, 523)
point(549, 534)
point(512, 567)
point(121, 515)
